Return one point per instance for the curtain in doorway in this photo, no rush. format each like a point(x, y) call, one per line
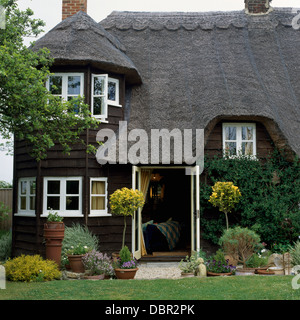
point(145, 181)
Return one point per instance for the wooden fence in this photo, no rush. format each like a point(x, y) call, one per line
point(6, 196)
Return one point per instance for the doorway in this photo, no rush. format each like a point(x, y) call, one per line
point(165, 227)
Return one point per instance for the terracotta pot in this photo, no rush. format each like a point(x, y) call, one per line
point(260, 268)
point(125, 274)
point(265, 272)
point(96, 277)
point(213, 274)
point(187, 274)
point(54, 234)
point(76, 263)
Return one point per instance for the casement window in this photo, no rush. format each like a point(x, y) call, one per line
point(105, 91)
point(98, 197)
point(66, 85)
point(26, 196)
point(239, 139)
point(63, 195)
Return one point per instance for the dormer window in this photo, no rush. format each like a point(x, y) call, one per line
point(239, 139)
point(105, 91)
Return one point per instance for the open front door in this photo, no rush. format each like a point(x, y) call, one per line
point(195, 209)
point(137, 217)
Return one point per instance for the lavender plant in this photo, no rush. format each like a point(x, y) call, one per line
point(98, 263)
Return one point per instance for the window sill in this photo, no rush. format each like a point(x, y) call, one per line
point(25, 214)
point(65, 215)
point(114, 105)
point(92, 215)
point(254, 157)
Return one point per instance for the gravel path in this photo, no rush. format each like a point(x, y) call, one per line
point(151, 272)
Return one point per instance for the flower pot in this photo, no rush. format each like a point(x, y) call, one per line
point(265, 272)
point(187, 274)
point(277, 270)
point(125, 274)
point(95, 277)
point(213, 274)
point(54, 235)
point(260, 268)
point(76, 263)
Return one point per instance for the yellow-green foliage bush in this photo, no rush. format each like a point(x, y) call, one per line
point(28, 268)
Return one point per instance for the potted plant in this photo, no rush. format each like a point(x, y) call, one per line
point(75, 255)
point(125, 202)
point(54, 229)
point(126, 266)
point(98, 265)
point(219, 266)
point(189, 266)
point(225, 196)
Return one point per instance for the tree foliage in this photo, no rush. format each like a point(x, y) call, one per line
point(27, 110)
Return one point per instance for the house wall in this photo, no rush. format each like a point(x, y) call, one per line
point(28, 231)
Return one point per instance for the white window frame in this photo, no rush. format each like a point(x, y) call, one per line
point(116, 102)
point(107, 102)
point(62, 197)
point(238, 126)
point(26, 212)
point(64, 89)
point(99, 213)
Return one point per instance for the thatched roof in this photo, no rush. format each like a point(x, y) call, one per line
point(80, 40)
point(199, 67)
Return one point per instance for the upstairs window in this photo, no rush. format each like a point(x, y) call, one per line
point(105, 91)
point(66, 85)
point(239, 139)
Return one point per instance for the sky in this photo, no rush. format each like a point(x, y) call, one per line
point(50, 12)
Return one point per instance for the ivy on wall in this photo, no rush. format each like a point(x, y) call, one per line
point(270, 197)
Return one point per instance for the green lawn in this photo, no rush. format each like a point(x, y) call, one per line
point(211, 288)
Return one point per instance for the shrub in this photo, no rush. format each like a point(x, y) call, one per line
point(77, 235)
point(269, 205)
point(5, 245)
point(31, 268)
point(295, 253)
point(240, 243)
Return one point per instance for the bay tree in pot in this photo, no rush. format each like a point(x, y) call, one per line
point(125, 202)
